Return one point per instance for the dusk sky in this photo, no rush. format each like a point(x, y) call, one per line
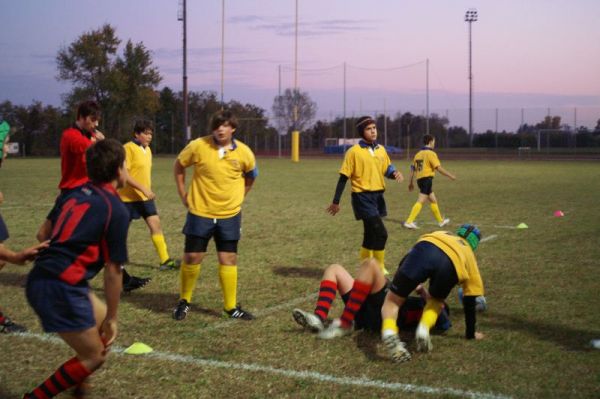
point(532, 54)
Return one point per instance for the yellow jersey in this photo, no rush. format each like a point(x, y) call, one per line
point(138, 161)
point(425, 163)
point(463, 259)
point(366, 166)
point(218, 184)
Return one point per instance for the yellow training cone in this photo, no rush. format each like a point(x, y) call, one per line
point(522, 226)
point(138, 348)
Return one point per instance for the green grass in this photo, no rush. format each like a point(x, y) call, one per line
point(541, 285)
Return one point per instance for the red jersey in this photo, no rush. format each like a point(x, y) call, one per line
point(73, 144)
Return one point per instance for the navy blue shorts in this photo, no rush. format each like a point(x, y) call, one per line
point(425, 185)
point(61, 307)
point(368, 204)
point(199, 230)
point(425, 261)
point(3, 230)
point(141, 209)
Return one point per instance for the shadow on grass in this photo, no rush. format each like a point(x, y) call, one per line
point(6, 395)
point(160, 302)
point(293, 271)
point(569, 338)
point(9, 279)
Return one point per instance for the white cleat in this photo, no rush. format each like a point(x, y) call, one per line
point(335, 330)
point(410, 225)
point(423, 339)
point(396, 349)
point(307, 320)
point(444, 222)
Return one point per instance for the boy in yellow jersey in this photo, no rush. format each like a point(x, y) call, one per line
point(366, 164)
point(224, 171)
point(446, 260)
point(137, 194)
point(424, 165)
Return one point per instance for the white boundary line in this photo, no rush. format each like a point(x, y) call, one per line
point(305, 375)
point(489, 238)
point(477, 224)
point(48, 205)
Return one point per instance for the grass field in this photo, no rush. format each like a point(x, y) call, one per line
point(541, 285)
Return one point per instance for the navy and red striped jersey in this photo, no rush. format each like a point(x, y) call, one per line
point(73, 144)
point(91, 229)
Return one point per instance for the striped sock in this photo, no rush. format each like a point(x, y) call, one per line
point(327, 291)
point(69, 374)
point(358, 294)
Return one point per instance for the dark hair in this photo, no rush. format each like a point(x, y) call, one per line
point(103, 160)
point(142, 125)
point(88, 108)
point(221, 118)
point(362, 123)
point(428, 138)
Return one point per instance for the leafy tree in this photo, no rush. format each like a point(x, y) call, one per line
point(293, 110)
point(123, 85)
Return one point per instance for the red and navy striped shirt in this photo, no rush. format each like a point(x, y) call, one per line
point(91, 229)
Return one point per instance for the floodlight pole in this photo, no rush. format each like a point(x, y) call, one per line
point(183, 17)
point(470, 17)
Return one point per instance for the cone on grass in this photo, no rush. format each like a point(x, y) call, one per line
point(138, 348)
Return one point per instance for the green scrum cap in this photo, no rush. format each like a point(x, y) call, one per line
point(471, 233)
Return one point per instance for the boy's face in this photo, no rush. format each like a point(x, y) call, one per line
point(223, 134)
point(145, 137)
point(89, 123)
point(370, 133)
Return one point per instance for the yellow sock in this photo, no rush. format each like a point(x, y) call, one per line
point(380, 256)
point(436, 212)
point(228, 278)
point(365, 253)
point(161, 247)
point(389, 326)
point(414, 212)
point(433, 307)
point(188, 277)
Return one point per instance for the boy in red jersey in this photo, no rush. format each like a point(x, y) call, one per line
point(90, 233)
point(73, 144)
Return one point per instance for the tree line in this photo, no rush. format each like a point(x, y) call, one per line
point(126, 86)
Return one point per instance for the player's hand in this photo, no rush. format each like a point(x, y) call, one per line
point(398, 176)
point(333, 209)
point(30, 253)
point(150, 194)
point(98, 135)
point(479, 335)
point(452, 177)
point(108, 331)
point(411, 186)
point(1, 197)
point(184, 200)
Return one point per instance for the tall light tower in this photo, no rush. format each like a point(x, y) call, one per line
point(470, 17)
point(182, 16)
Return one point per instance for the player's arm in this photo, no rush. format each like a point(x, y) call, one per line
point(411, 184)
point(469, 307)
point(179, 173)
point(113, 281)
point(19, 258)
point(97, 135)
point(77, 143)
point(445, 173)
point(393, 173)
point(140, 187)
point(249, 178)
point(339, 189)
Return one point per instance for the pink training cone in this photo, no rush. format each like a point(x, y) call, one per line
point(559, 214)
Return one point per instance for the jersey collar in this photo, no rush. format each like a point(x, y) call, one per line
point(364, 144)
point(136, 141)
point(426, 148)
point(83, 132)
point(233, 143)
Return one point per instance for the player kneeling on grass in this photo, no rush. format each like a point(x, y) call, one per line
point(446, 260)
point(90, 233)
point(363, 298)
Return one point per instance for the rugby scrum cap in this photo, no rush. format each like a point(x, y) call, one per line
point(471, 233)
point(362, 123)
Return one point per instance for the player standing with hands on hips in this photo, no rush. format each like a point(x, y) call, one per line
point(366, 164)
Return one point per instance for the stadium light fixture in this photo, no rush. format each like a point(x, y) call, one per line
point(470, 17)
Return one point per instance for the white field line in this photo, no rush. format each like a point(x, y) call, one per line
point(34, 205)
point(304, 375)
point(263, 312)
point(478, 225)
point(489, 238)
